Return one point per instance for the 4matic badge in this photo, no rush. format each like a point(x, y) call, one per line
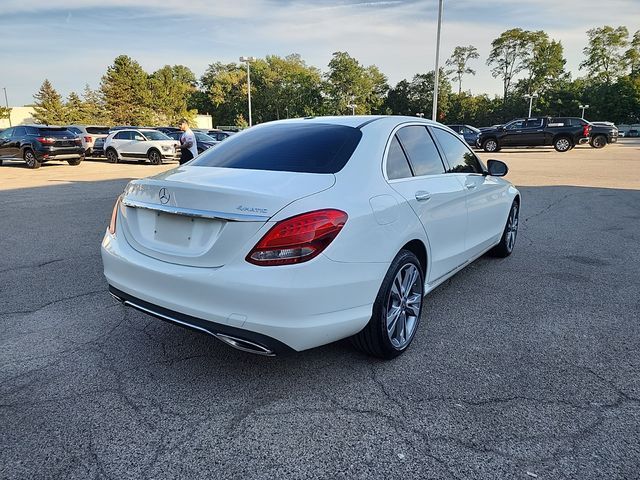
point(252, 209)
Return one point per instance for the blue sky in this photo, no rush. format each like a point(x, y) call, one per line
point(72, 42)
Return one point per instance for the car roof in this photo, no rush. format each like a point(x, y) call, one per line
point(355, 121)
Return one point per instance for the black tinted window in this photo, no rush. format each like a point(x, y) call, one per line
point(98, 130)
point(297, 147)
point(422, 152)
point(20, 132)
point(126, 135)
point(397, 163)
point(6, 133)
point(74, 129)
point(518, 124)
point(31, 130)
point(460, 158)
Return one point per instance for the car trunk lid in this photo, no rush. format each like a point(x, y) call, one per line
point(203, 216)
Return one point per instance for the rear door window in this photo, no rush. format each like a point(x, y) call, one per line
point(420, 149)
point(298, 147)
point(20, 132)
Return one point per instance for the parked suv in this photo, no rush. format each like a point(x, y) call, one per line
point(563, 133)
point(88, 135)
point(36, 144)
point(140, 144)
point(203, 141)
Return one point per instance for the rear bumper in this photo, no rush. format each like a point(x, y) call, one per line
point(299, 306)
point(60, 154)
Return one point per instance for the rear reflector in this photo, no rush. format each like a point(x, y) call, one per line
point(114, 216)
point(298, 239)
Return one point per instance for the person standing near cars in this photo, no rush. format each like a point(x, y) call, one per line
point(188, 147)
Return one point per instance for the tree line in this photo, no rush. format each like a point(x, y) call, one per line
point(524, 61)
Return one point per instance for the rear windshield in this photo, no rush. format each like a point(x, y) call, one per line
point(56, 132)
point(98, 130)
point(286, 147)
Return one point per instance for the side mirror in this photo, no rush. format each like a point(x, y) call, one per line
point(497, 168)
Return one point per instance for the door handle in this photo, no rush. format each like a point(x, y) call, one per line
point(470, 186)
point(422, 196)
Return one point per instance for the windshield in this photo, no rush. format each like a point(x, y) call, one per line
point(98, 130)
point(155, 135)
point(286, 147)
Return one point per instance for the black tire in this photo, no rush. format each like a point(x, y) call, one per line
point(374, 339)
point(491, 145)
point(599, 141)
point(111, 155)
point(30, 159)
point(1, 162)
point(75, 161)
point(562, 144)
point(507, 242)
point(154, 157)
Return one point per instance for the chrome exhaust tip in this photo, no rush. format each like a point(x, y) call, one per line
point(245, 345)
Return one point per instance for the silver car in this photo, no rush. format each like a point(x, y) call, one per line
point(88, 135)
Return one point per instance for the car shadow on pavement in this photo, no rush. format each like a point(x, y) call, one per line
point(524, 364)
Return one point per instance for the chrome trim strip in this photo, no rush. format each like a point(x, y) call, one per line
point(237, 343)
point(166, 317)
point(192, 212)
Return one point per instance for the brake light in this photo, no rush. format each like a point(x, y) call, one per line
point(586, 130)
point(298, 239)
point(46, 140)
point(114, 216)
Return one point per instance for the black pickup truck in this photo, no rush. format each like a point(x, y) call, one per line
point(603, 133)
point(563, 133)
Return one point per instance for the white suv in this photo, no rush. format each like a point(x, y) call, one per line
point(140, 144)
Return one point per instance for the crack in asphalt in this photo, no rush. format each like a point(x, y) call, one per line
point(53, 302)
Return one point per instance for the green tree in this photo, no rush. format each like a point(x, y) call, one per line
point(632, 55)
point(48, 106)
point(93, 108)
point(74, 111)
point(604, 54)
point(509, 55)
point(347, 81)
point(125, 88)
point(171, 88)
point(415, 97)
point(459, 60)
point(544, 63)
point(4, 112)
point(225, 88)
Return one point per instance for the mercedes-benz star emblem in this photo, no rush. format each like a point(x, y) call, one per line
point(164, 195)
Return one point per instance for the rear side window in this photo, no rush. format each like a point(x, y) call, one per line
point(298, 147)
point(460, 158)
point(32, 130)
point(422, 152)
point(98, 130)
point(533, 123)
point(20, 132)
point(126, 135)
point(397, 163)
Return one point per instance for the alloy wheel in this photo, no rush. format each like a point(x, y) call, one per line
point(512, 227)
point(403, 306)
point(563, 144)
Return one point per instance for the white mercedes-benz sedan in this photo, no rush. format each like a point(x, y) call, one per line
point(297, 233)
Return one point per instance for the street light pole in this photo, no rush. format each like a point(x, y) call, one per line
point(583, 107)
point(530, 97)
point(6, 102)
point(436, 75)
point(248, 60)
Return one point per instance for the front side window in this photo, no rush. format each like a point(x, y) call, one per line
point(397, 163)
point(6, 133)
point(461, 159)
point(515, 125)
point(154, 135)
point(422, 152)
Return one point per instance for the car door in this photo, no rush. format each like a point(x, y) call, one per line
point(139, 145)
point(416, 171)
point(533, 132)
point(512, 134)
point(5, 143)
point(486, 196)
point(125, 143)
point(19, 134)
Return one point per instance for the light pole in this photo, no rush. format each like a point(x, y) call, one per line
point(583, 107)
point(6, 102)
point(530, 97)
point(352, 106)
point(437, 70)
point(420, 114)
point(248, 60)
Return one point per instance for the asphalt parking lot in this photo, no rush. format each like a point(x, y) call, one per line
point(525, 367)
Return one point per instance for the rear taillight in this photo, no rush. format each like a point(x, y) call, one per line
point(114, 217)
point(46, 140)
point(298, 239)
point(586, 130)
point(88, 139)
